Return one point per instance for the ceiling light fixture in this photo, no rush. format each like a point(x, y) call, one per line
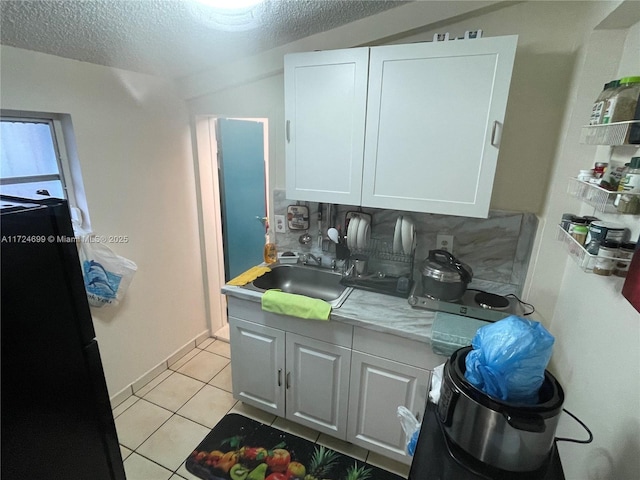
point(228, 15)
point(230, 4)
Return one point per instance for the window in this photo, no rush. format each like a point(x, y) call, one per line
point(35, 160)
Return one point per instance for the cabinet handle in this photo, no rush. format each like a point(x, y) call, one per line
point(496, 135)
point(288, 384)
point(288, 130)
point(279, 377)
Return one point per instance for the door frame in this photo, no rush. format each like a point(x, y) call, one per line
point(210, 213)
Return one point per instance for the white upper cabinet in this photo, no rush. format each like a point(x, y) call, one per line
point(325, 105)
point(434, 118)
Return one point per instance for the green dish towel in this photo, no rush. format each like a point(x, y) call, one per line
point(276, 301)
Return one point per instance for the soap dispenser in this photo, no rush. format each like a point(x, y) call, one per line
point(270, 251)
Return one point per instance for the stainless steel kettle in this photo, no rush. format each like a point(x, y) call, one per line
point(444, 277)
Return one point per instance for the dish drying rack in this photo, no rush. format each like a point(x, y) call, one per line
point(387, 269)
point(384, 251)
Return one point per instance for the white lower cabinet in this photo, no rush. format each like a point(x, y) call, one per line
point(317, 384)
point(293, 376)
point(380, 387)
point(344, 381)
point(387, 371)
point(257, 359)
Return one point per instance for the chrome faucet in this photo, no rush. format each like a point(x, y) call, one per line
point(311, 256)
point(348, 269)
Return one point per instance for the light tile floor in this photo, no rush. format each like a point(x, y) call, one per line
point(161, 424)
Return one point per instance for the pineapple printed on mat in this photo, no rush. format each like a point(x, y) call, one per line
point(324, 461)
point(321, 464)
point(239, 448)
point(358, 473)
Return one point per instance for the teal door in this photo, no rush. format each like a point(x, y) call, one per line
point(242, 191)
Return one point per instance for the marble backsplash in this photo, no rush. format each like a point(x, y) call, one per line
point(497, 248)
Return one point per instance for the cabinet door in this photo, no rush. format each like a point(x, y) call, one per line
point(318, 384)
point(257, 358)
point(325, 105)
point(378, 387)
point(434, 118)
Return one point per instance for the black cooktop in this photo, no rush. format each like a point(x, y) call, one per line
point(474, 304)
point(435, 458)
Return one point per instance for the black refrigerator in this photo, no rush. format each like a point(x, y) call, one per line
point(55, 415)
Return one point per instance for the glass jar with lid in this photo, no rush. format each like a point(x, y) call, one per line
point(606, 260)
point(624, 255)
point(579, 232)
point(629, 200)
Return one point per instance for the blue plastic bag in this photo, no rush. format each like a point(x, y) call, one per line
point(411, 428)
point(509, 358)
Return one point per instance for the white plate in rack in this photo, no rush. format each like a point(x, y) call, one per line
point(352, 233)
point(364, 233)
point(407, 235)
point(397, 236)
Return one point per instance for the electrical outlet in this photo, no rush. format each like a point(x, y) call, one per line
point(444, 242)
point(280, 225)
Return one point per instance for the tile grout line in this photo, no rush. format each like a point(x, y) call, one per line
point(175, 412)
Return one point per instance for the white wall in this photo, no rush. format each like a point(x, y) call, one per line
point(561, 65)
point(134, 145)
point(597, 354)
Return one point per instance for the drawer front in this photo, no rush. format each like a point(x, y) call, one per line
point(398, 349)
point(331, 332)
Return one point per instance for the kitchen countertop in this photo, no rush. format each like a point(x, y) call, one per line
point(383, 313)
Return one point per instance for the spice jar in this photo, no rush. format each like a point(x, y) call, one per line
point(567, 218)
point(576, 222)
point(629, 200)
point(628, 203)
point(625, 252)
point(606, 259)
point(630, 179)
point(579, 232)
point(599, 169)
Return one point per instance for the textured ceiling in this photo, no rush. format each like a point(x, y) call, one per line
point(165, 37)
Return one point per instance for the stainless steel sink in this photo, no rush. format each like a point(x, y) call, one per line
point(305, 280)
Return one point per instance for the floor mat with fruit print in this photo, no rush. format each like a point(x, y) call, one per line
point(239, 448)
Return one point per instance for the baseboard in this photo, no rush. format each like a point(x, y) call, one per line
point(136, 385)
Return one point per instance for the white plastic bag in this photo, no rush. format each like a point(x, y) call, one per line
point(436, 384)
point(106, 274)
point(411, 428)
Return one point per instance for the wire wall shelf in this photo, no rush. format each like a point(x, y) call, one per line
point(584, 259)
point(579, 253)
point(596, 196)
point(609, 134)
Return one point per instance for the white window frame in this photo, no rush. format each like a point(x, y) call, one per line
point(67, 158)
